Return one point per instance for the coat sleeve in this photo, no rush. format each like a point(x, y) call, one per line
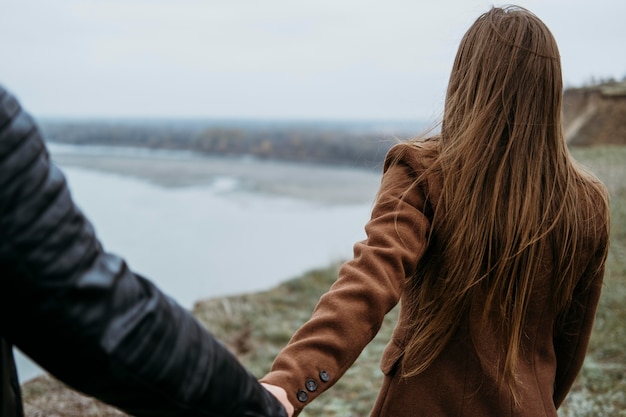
point(350, 314)
point(84, 316)
point(572, 339)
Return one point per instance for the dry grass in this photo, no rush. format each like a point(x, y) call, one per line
point(44, 396)
point(601, 387)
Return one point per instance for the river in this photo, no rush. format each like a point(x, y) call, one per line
point(207, 227)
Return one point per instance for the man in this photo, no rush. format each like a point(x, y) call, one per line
point(85, 317)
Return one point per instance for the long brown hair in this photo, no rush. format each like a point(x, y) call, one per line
point(509, 191)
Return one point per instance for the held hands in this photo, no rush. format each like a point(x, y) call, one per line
point(281, 396)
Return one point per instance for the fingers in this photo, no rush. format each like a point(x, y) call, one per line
point(281, 396)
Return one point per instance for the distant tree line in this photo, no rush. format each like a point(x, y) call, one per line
point(362, 145)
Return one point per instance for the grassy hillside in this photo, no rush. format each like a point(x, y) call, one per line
point(256, 326)
point(601, 388)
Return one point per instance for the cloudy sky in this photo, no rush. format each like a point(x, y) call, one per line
point(303, 59)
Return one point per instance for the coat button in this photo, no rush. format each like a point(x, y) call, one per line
point(302, 396)
point(311, 385)
point(324, 376)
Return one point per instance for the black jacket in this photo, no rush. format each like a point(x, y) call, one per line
point(81, 314)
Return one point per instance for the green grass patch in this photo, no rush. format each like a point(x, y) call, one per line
point(601, 387)
point(256, 326)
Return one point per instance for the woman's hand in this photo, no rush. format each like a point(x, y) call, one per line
point(281, 396)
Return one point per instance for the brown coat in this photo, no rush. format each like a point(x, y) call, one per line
point(458, 383)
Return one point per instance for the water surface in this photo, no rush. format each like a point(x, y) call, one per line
point(219, 233)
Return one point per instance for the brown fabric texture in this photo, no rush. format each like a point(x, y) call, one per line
point(463, 379)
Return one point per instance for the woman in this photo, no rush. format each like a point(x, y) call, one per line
point(490, 235)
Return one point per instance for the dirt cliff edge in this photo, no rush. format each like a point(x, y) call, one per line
point(595, 115)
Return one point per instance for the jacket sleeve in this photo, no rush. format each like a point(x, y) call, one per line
point(350, 314)
point(89, 320)
point(572, 339)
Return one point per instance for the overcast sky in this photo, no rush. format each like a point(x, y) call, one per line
point(311, 59)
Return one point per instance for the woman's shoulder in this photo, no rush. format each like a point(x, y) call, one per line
point(418, 154)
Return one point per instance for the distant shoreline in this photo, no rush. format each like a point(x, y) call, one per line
point(360, 144)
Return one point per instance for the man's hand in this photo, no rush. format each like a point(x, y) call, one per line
point(281, 396)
